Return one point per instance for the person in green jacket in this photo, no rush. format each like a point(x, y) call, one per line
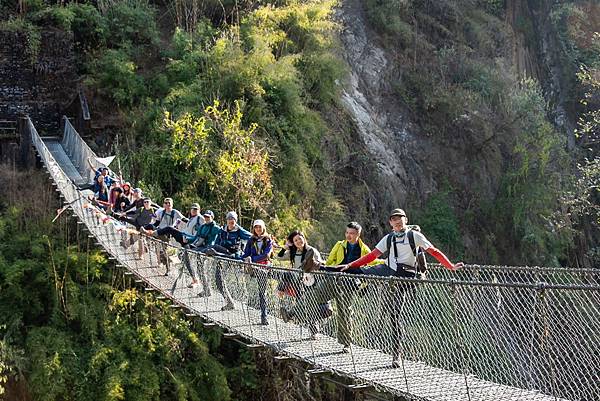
point(346, 251)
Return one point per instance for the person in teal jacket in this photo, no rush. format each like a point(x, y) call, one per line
point(207, 233)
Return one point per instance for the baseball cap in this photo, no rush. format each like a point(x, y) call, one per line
point(137, 190)
point(397, 212)
point(208, 213)
point(195, 206)
point(231, 215)
point(259, 222)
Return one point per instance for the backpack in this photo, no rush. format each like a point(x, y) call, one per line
point(417, 251)
point(163, 215)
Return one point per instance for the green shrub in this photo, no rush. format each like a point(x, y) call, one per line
point(131, 22)
point(116, 76)
point(389, 18)
point(55, 16)
point(320, 74)
point(440, 224)
point(89, 27)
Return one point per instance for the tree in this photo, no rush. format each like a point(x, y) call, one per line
point(224, 154)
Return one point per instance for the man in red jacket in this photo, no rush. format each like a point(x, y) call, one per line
point(400, 262)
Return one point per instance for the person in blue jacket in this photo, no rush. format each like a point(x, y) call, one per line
point(228, 245)
point(231, 239)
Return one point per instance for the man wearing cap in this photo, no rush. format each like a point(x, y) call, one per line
point(187, 234)
point(228, 245)
point(230, 239)
point(400, 262)
point(142, 209)
point(142, 218)
point(207, 233)
point(167, 216)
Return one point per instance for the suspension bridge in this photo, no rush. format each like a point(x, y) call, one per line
point(481, 334)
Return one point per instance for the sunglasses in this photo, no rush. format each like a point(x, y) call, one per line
point(167, 203)
point(146, 201)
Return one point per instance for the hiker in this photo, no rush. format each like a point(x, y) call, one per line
point(258, 251)
point(205, 237)
point(100, 171)
point(401, 261)
point(299, 252)
point(187, 234)
point(127, 192)
point(230, 239)
point(120, 202)
point(306, 259)
point(137, 201)
point(143, 217)
point(166, 216)
point(101, 193)
point(228, 245)
point(342, 253)
point(207, 233)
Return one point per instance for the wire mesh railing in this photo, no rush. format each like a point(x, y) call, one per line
point(484, 333)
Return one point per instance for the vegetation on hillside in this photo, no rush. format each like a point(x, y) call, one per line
point(456, 80)
point(234, 104)
point(71, 326)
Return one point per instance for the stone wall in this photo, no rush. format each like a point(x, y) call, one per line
point(41, 86)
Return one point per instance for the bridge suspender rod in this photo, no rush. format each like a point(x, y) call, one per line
point(460, 339)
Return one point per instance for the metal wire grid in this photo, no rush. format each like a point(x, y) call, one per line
point(487, 333)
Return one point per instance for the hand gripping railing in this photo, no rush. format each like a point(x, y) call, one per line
point(486, 333)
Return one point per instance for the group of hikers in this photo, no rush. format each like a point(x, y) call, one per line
point(396, 254)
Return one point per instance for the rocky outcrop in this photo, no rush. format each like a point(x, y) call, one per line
point(380, 121)
point(411, 165)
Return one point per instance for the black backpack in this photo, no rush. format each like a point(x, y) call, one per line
point(172, 215)
point(417, 251)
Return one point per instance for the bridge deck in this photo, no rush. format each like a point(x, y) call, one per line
point(415, 379)
point(426, 382)
point(59, 154)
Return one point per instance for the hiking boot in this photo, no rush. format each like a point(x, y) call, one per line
point(264, 321)
point(228, 306)
point(192, 285)
point(203, 294)
point(346, 349)
point(314, 331)
point(286, 315)
point(396, 363)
